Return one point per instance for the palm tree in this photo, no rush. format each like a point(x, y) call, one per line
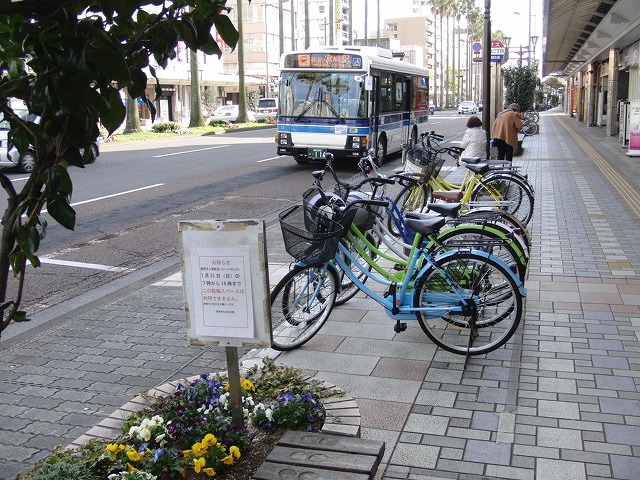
point(438, 8)
point(195, 117)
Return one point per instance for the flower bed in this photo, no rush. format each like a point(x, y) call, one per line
point(185, 429)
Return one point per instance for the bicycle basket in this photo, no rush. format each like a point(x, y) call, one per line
point(424, 161)
point(309, 235)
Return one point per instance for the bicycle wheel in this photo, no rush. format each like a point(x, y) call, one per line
point(516, 195)
point(488, 239)
point(300, 304)
point(493, 303)
point(411, 197)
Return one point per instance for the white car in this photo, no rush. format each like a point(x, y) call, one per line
point(468, 106)
point(11, 157)
point(229, 113)
point(267, 108)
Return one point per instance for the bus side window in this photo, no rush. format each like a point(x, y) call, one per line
point(399, 97)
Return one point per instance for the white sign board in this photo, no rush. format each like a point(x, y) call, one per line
point(226, 282)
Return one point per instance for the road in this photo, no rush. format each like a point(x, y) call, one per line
point(130, 201)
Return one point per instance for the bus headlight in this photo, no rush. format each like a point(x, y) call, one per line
point(282, 138)
point(358, 142)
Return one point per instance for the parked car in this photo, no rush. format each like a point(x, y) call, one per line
point(10, 157)
point(267, 108)
point(468, 106)
point(229, 113)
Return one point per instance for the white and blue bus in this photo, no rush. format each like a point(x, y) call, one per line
point(345, 100)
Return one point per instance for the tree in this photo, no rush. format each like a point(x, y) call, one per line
point(68, 60)
point(520, 85)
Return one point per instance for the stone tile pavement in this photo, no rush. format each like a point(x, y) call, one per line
point(561, 400)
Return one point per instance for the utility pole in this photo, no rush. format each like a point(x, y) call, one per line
point(486, 70)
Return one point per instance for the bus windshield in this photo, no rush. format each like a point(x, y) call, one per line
point(322, 95)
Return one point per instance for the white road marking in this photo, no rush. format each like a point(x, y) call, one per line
point(190, 151)
point(272, 158)
point(116, 194)
point(93, 266)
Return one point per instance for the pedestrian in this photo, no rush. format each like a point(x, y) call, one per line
point(474, 140)
point(505, 130)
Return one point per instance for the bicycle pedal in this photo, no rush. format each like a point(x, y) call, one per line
point(398, 268)
point(399, 327)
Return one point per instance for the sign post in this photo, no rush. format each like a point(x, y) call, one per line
point(497, 51)
point(225, 279)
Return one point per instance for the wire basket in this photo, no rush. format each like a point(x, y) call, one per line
point(310, 235)
point(424, 161)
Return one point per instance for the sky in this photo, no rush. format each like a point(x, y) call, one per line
point(510, 16)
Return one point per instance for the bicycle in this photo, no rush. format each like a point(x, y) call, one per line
point(529, 126)
point(484, 185)
point(466, 301)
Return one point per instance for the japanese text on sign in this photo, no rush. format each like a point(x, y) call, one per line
point(223, 298)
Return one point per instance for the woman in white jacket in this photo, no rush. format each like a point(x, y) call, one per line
point(474, 140)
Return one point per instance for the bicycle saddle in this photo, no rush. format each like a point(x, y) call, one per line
point(447, 195)
point(427, 226)
point(478, 167)
point(446, 209)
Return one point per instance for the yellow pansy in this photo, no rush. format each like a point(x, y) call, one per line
point(131, 468)
point(198, 463)
point(133, 455)
point(228, 460)
point(209, 471)
point(199, 449)
point(186, 453)
point(209, 440)
point(248, 386)
point(235, 451)
point(115, 448)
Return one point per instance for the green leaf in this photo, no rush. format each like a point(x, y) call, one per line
point(113, 117)
point(226, 30)
point(62, 212)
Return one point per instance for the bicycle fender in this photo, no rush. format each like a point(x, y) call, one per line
point(498, 260)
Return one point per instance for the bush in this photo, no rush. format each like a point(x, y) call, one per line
point(167, 127)
point(218, 123)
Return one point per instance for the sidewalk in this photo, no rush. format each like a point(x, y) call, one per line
point(561, 400)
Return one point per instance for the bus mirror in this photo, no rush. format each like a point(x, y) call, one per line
point(368, 83)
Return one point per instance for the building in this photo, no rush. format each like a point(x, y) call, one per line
point(593, 53)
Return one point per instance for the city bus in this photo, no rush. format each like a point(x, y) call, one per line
point(345, 100)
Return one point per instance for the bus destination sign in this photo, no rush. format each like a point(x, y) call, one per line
point(323, 60)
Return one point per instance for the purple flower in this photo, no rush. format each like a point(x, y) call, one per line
point(172, 427)
point(287, 397)
point(307, 397)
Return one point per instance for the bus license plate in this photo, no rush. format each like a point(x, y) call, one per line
point(316, 153)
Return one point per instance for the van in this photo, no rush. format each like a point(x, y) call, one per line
point(267, 108)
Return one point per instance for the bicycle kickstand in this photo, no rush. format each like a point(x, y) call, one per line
point(399, 326)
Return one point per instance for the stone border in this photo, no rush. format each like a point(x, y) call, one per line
point(342, 414)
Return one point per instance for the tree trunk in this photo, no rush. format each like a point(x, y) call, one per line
point(132, 123)
point(242, 96)
point(195, 116)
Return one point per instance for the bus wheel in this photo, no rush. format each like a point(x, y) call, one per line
point(301, 160)
point(381, 151)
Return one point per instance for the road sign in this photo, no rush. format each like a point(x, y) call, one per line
point(477, 47)
point(497, 51)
